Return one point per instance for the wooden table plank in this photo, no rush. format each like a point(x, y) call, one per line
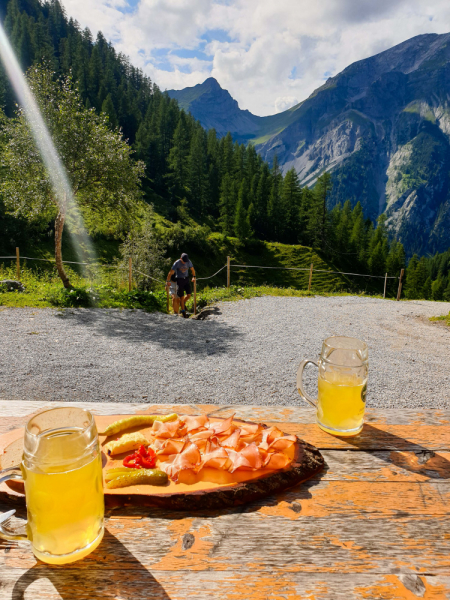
point(376, 435)
point(124, 585)
point(374, 524)
point(307, 531)
point(284, 414)
point(140, 584)
point(385, 465)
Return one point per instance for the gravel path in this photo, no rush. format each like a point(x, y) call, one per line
point(248, 352)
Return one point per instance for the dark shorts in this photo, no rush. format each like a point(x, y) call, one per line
point(183, 285)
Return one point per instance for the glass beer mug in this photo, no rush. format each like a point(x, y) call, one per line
point(62, 472)
point(343, 368)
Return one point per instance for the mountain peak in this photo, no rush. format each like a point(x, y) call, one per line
point(214, 107)
point(212, 83)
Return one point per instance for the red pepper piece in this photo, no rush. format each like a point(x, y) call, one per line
point(132, 461)
point(148, 463)
point(146, 457)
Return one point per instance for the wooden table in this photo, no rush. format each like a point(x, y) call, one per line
point(375, 524)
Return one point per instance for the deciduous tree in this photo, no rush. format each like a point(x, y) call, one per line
point(101, 172)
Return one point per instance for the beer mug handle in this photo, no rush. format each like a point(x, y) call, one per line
point(300, 389)
point(5, 532)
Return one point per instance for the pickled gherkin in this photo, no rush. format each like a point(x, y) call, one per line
point(136, 421)
point(113, 473)
point(140, 476)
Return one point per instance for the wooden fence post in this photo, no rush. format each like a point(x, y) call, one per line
point(130, 274)
point(195, 295)
point(228, 272)
point(18, 263)
point(399, 292)
point(310, 276)
point(385, 282)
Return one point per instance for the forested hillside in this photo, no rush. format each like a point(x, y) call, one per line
point(191, 176)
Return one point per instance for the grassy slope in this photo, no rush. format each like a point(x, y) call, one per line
point(208, 257)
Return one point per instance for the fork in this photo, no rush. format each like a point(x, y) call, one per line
point(6, 517)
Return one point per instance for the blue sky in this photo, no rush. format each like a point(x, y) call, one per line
point(269, 55)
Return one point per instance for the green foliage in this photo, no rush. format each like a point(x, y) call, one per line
point(319, 226)
point(438, 288)
point(97, 161)
point(146, 251)
point(43, 289)
point(428, 278)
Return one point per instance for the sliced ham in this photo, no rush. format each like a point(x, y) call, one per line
point(248, 459)
point(172, 446)
point(193, 423)
point(201, 435)
point(221, 426)
point(232, 441)
point(271, 434)
point(166, 430)
point(277, 460)
point(282, 443)
point(194, 442)
point(215, 459)
point(250, 428)
point(190, 458)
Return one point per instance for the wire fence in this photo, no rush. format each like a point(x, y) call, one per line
point(227, 266)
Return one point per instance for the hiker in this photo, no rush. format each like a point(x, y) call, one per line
point(172, 287)
point(180, 269)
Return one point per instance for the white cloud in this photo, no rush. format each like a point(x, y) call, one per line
point(279, 51)
point(284, 103)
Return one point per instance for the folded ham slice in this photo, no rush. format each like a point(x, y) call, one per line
point(221, 426)
point(166, 430)
point(170, 446)
point(215, 459)
point(193, 423)
point(190, 458)
point(232, 441)
point(248, 458)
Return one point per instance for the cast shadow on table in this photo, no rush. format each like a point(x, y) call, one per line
point(398, 451)
point(119, 576)
point(167, 331)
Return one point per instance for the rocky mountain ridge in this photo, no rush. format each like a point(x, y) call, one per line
point(381, 126)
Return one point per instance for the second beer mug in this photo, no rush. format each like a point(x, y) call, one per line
point(343, 368)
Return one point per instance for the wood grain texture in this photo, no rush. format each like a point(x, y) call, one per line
point(373, 525)
point(308, 531)
point(426, 430)
point(282, 414)
point(52, 584)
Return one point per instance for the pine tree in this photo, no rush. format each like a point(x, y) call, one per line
point(438, 288)
point(227, 205)
point(198, 173)
point(377, 260)
point(110, 111)
point(241, 223)
point(426, 290)
point(413, 288)
point(358, 237)
point(178, 159)
point(276, 216)
point(318, 223)
point(261, 201)
point(446, 295)
point(291, 198)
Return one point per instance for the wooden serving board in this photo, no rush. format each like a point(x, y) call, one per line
point(209, 489)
